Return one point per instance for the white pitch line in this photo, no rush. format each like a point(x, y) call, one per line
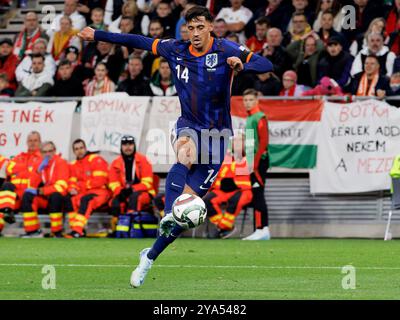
point(187, 266)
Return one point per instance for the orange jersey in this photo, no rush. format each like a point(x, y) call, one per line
point(88, 173)
point(143, 170)
point(55, 176)
point(236, 170)
point(22, 170)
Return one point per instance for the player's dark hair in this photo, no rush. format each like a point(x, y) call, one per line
point(131, 19)
point(298, 14)
point(78, 141)
point(250, 91)
point(329, 11)
point(198, 11)
point(220, 20)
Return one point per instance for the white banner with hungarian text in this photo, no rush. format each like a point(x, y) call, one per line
point(107, 117)
point(356, 146)
point(52, 120)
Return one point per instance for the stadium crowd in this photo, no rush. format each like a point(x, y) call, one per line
point(312, 45)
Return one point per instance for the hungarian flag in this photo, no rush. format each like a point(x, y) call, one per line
point(292, 129)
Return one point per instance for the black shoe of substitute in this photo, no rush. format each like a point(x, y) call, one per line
point(9, 216)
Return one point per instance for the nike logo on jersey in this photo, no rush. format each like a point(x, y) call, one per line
point(202, 188)
point(179, 59)
point(175, 185)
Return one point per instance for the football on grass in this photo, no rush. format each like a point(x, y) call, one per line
point(189, 211)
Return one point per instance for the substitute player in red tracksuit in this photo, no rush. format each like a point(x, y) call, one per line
point(131, 179)
point(87, 189)
point(21, 173)
point(3, 164)
point(54, 173)
point(232, 189)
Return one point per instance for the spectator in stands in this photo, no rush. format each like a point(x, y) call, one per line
point(54, 174)
point(231, 190)
point(306, 54)
point(87, 187)
point(377, 48)
point(184, 33)
point(336, 63)
point(332, 6)
point(97, 19)
point(5, 89)
point(366, 11)
point(60, 40)
point(371, 82)
point(276, 12)
point(38, 83)
point(131, 179)
point(267, 84)
point(162, 84)
point(182, 21)
point(66, 84)
point(276, 53)
point(236, 16)
point(136, 84)
point(393, 17)
point(326, 87)
point(232, 36)
point(100, 83)
point(326, 31)
point(109, 54)
point(395, 87)
point(394, 40)
point(8, 61)
point(23, 43)
point(70, 10)
point(150, 61)
point(396, 65)
point(164, 14)
point(78, 71)
point(220, 28)
point(86, 7)
point(22, 172)
point(361, 42)
point(113, 10)
point(24, 68)
point(299, 29)
point(129, 9)
point(301, 6)
point(290, 86)
point(255, 43)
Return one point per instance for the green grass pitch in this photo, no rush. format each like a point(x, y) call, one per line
point(201, 269)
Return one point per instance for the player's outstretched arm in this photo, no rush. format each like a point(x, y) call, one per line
point(128, 40)
point(257, 64)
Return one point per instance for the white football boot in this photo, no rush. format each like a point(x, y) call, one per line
point(259, 234)
point(139, 274)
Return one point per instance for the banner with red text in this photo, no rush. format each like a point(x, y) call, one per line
point(52, 120)
point(292, 127)
point(356, 146)
point(107, 117)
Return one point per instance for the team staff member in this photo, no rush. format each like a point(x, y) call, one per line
point(131, 179)
point(21, 173)
point(87, 189)
point(257, 156)
point(231, 188)
point(54, 173)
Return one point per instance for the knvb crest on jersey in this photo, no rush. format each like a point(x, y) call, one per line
point(211, 60)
